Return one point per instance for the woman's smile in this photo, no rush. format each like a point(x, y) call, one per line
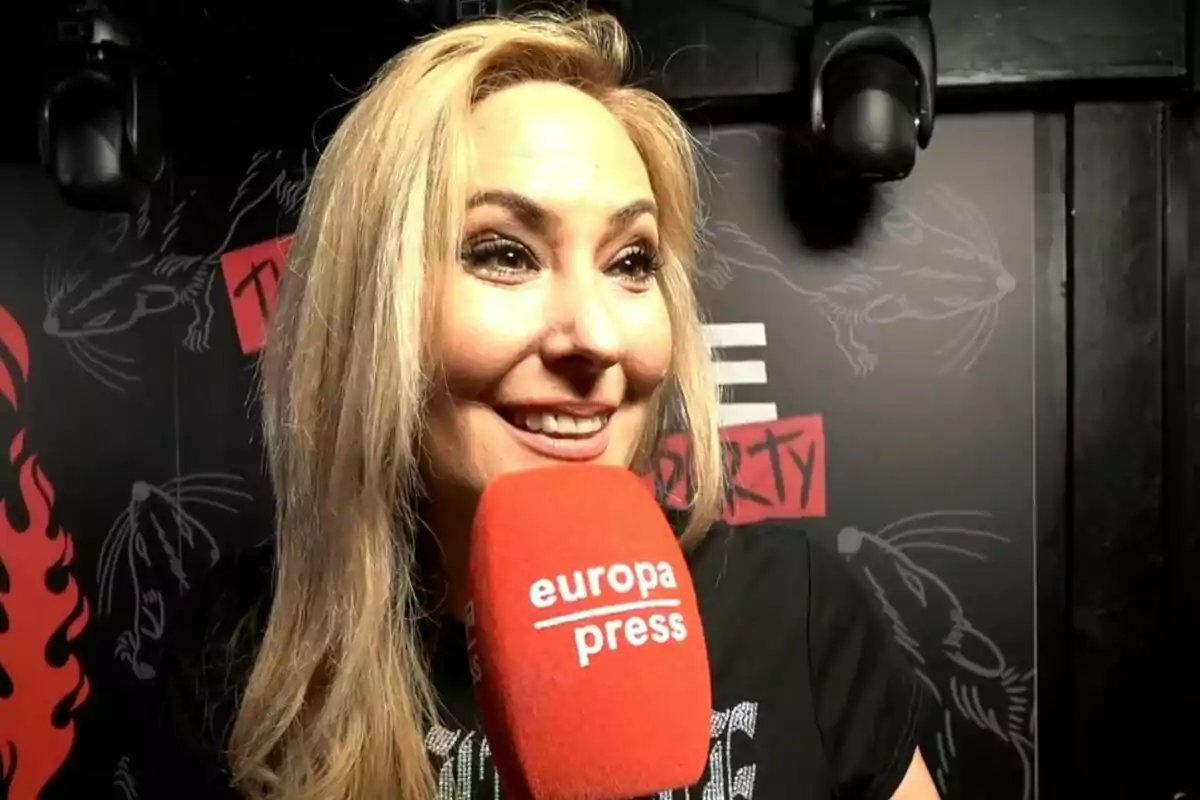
point(562, 431)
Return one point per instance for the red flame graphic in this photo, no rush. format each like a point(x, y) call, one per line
point(41, 611)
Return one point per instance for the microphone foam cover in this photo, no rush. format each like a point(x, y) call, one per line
point(590, 666)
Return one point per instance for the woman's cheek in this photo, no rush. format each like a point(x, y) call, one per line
point(484, 331)
point(648, 353)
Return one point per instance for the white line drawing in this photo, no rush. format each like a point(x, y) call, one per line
point(710, 158)
point(86, 302)
point(124, 780)
point(911, 267)
point(602, 611)
point(715, 266)
point(155, 542)
point(966, 672)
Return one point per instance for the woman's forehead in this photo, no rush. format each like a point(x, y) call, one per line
point(557, 146)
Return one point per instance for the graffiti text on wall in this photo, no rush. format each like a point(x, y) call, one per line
point(775, 470)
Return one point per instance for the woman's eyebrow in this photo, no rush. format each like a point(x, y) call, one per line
point(542, 220)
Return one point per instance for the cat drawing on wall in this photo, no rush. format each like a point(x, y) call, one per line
point(89, 301)
point(969, 678)
point(915, 265)
point(151, 551)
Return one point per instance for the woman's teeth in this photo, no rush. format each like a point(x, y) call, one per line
point(561, 424)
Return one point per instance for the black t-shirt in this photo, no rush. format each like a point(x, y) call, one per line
point(812, 699)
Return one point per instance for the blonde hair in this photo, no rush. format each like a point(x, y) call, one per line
point(339, 698)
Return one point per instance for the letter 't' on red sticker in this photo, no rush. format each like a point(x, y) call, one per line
point(252, 283)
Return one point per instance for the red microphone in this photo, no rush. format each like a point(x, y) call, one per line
point(584, 636)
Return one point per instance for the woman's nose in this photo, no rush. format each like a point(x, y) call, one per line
point(583, 321)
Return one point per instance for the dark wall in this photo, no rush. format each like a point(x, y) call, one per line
point(991, 396)
point(136, 463)
point(918, 347)
point(230, 70)
point(740, 49)
point(901, 372)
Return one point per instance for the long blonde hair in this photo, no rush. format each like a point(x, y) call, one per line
point(339, 698)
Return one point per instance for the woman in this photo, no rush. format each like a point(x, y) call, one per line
point(491, 273)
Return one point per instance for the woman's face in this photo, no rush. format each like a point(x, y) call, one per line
point(553, 332)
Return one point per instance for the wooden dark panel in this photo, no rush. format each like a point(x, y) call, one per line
point(1116, 416)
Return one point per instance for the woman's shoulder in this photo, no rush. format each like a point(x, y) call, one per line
point(786, 613)
point(796, 583)
point(780, 557)
point(775, 555)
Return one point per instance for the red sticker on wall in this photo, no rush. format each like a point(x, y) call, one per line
point(252, 283)
point(775, 470)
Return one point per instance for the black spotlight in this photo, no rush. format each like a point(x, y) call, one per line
point(98, 131)
point(871, 81)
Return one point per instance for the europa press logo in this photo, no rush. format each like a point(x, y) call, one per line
point(576, 570)
point(625, 622)
point(628, 605)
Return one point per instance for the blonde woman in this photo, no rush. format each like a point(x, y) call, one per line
point(491, 273)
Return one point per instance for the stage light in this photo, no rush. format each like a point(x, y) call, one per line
point(98, 132)
point(871, 80)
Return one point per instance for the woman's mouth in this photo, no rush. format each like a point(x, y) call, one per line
point(560, 425)
point(566, 436)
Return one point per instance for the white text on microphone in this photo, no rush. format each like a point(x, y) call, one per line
point(627, 621)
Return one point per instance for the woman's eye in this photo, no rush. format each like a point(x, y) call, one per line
point(638, 266)
point(505, 259)
point(499, 257)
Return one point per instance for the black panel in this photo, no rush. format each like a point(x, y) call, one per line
point(1050, 249)
point(1193, 14)
point(726, 48)
point(1182, 472)
point(1117, 460)
point(268, 71)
